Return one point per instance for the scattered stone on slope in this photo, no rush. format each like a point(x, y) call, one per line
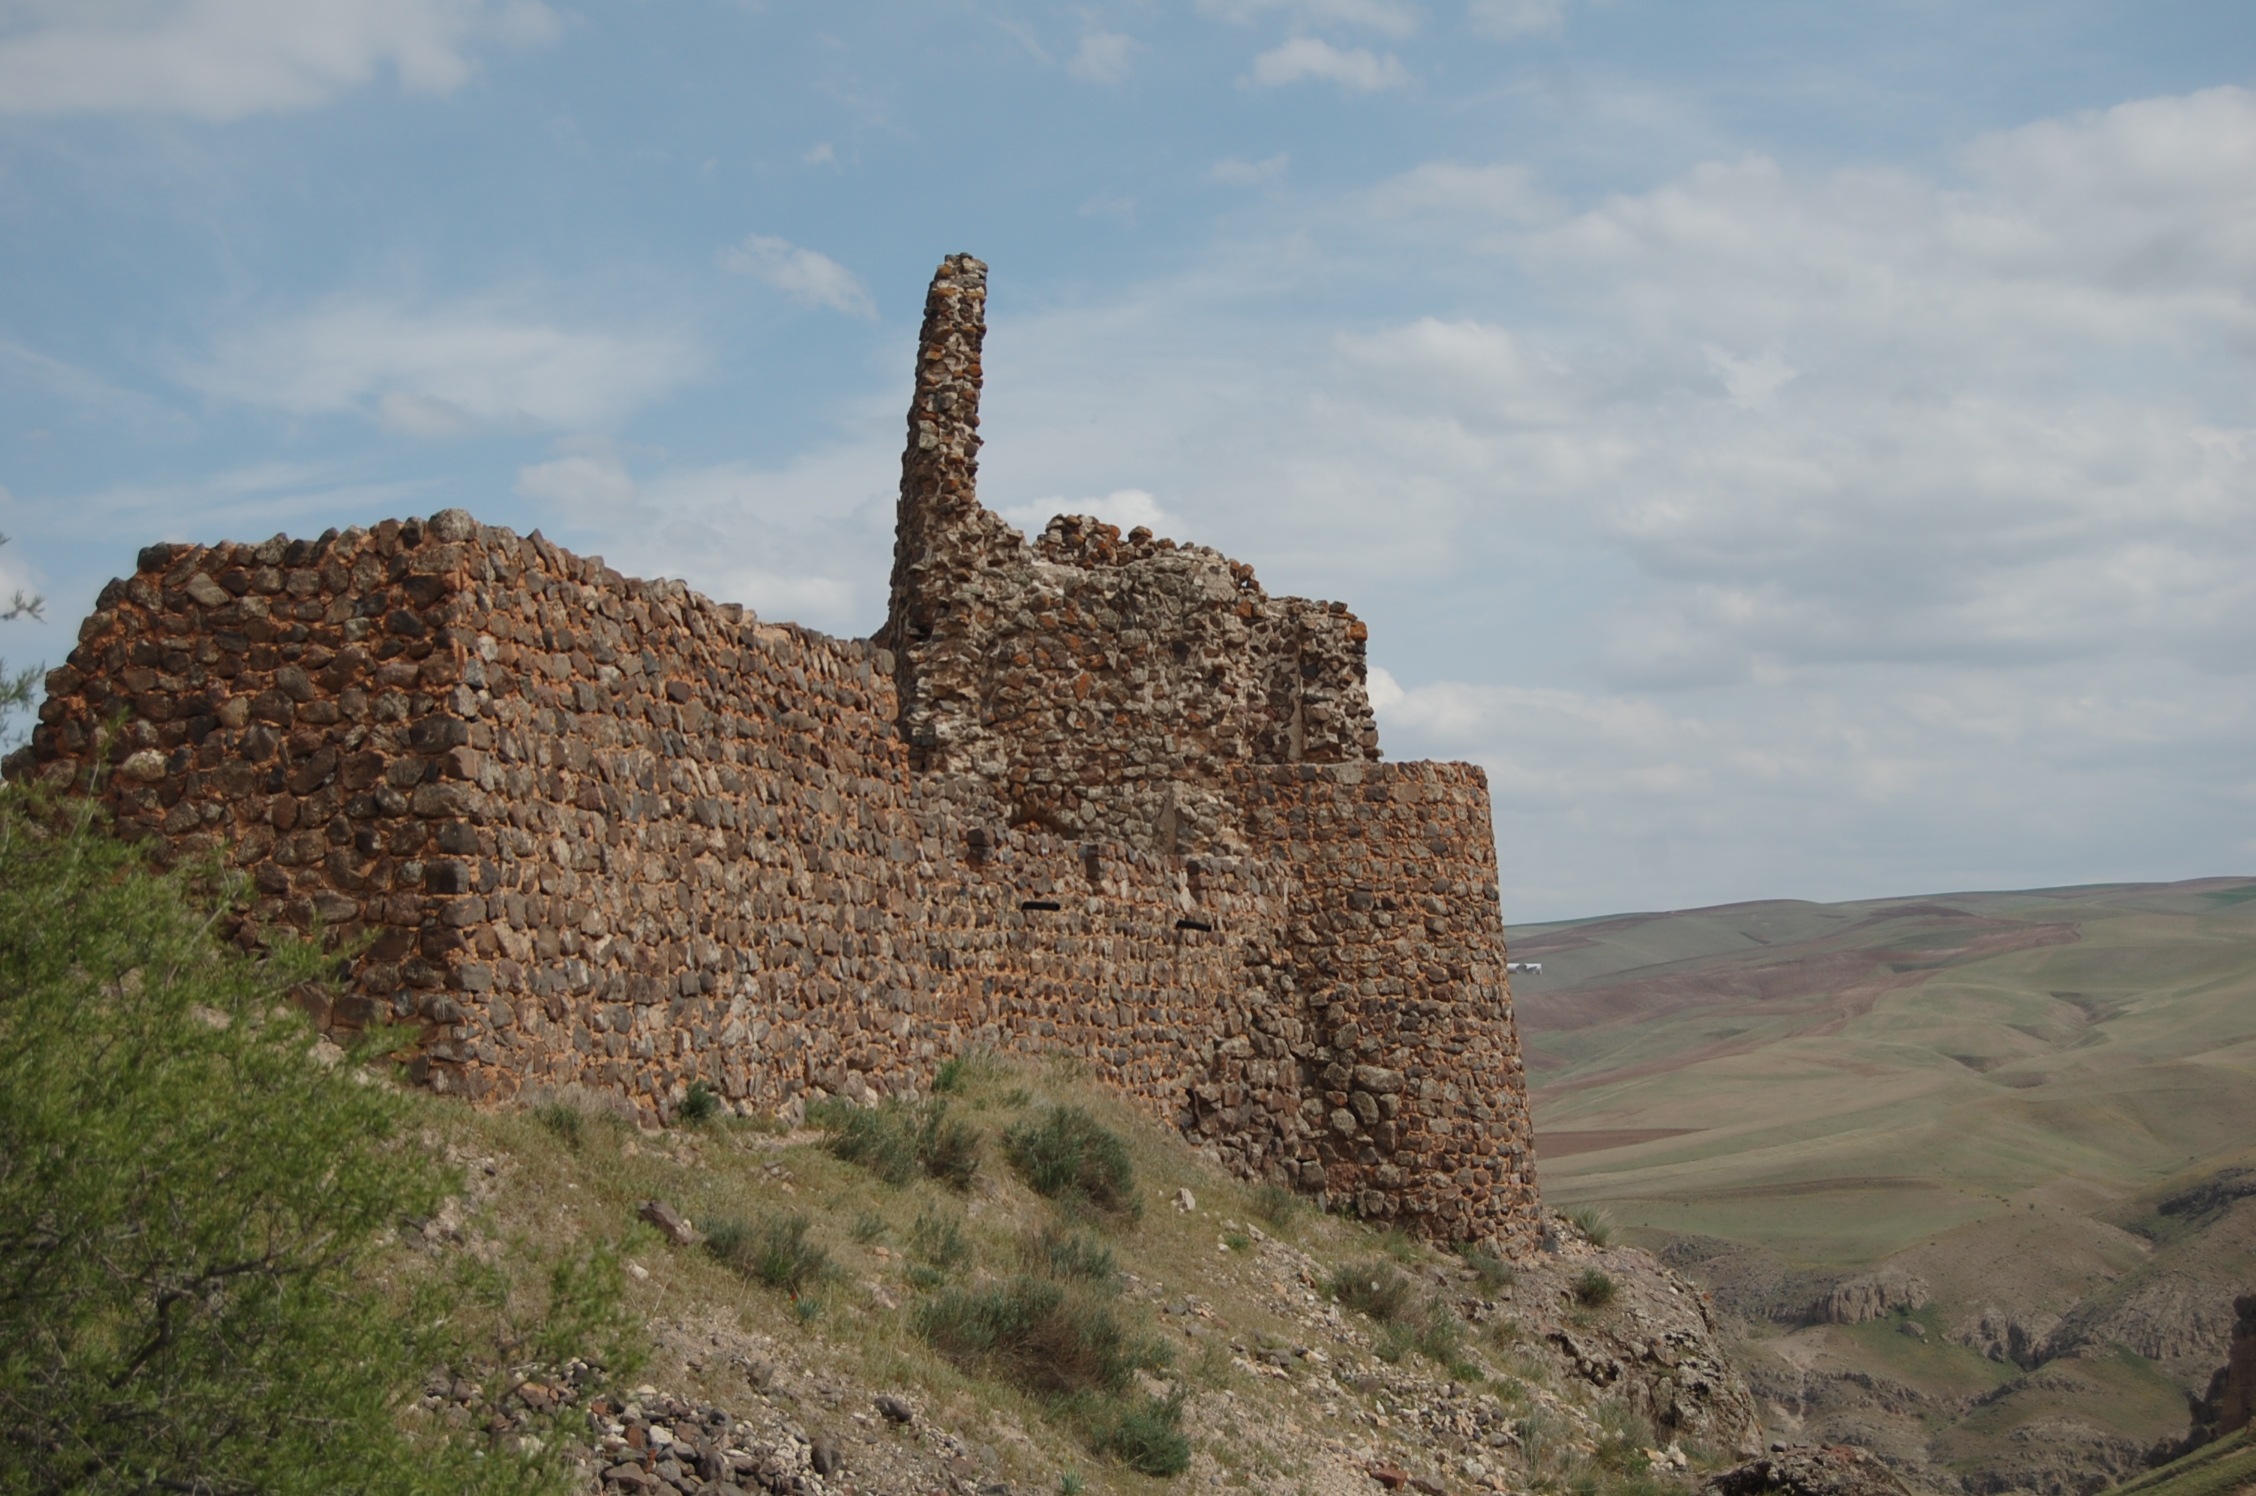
point(1809, 1470)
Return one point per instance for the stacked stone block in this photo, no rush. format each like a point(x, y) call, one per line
point(1098, 797)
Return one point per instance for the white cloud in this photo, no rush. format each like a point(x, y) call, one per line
point(1311, 57)
point(1233, 172)
point(1112, 205)
point(222, 59)
point(819, 154)
point(1103, 57)
point(1375, 15)
point(1506, 19)
point(810, 543)
point(1843, 531)
point(809, 278)
point(431, 371)
point(1503, 190)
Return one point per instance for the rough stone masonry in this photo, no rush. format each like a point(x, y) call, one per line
point(1096, 796)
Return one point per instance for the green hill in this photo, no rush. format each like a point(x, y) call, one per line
point(1996, 1097)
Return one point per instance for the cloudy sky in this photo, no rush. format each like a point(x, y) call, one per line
point(1800, 450)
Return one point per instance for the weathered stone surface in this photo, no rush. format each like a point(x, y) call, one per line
point(1809, 1470)
point(1094, 796)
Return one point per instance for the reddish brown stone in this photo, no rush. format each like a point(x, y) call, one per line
point(1097, 796)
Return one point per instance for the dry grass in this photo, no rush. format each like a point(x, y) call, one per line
point(995, 1308)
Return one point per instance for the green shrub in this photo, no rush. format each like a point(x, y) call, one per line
point(1401, 1245)
point(1149, 1437)
point(959, 1073)
point(896, 1141)
point(1594, 1224)
point(1038, 1335)
point(880, 1139)
point(700, 1105)
point(192, 1208)
point(566, 1122)
point(1594, 1289)
point(1277, 1205)
point(1494, 1273)
point(1373, 1288)
point(1069, 1155)
point(1430, 1330)
point(946, 1150)
point(938, 1241)
point(773, 1250)
point(1070, 1257)
point(868, 1227)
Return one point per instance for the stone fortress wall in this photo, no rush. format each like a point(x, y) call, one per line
point(1094, 796)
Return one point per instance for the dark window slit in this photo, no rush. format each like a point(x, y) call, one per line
point(1194, 924)
point(1050, 904)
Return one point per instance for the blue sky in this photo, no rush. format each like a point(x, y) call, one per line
point(1800, 450)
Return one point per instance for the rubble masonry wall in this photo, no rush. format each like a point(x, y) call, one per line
point(1110, 802)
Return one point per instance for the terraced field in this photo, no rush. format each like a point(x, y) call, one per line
point(2005, 1099)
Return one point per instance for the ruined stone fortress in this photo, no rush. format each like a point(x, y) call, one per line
point(1093, 795)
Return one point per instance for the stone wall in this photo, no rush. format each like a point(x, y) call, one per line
point(1100, 685)
point(1108, 800)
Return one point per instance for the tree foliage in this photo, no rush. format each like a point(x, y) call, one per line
point(191, 1203)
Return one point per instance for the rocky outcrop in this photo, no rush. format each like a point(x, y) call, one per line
point(1871, 1296)
point(2230, 1403)
point(1809, 1470)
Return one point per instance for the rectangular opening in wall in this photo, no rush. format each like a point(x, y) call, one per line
point(1193, 924)
point(1052, 905)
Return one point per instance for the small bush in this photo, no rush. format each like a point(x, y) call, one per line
point(1594, 1289)
point(868, 1227)
point(875, 1138)
point(566, 1122)
point(1494, 1273)
point(1401, 1245)
point(700, 1105)
point(1070, 1257)
point(938, 1241)
point(1070, 1155)
point(948, 1151)
point(774, 1251)
point(895, 1142)
point(1623, 1435)
point(1277, 1205)
point(1038, 1335)
point(1149, 1437)
point(1432, 1331)
point(1238, 1241)
point(1373, 1288)
point(959, 1073)
point(1592, 1223)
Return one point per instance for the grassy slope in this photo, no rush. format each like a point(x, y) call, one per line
point(1242, 1282)
point(1981, 1089)
point(1865, 1081)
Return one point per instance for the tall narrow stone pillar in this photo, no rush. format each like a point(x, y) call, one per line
point(942, 538)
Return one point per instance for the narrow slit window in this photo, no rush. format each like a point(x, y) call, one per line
point(1052, 905)
point(1194, 924)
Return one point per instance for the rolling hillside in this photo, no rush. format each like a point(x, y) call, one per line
point(2020, 1122)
